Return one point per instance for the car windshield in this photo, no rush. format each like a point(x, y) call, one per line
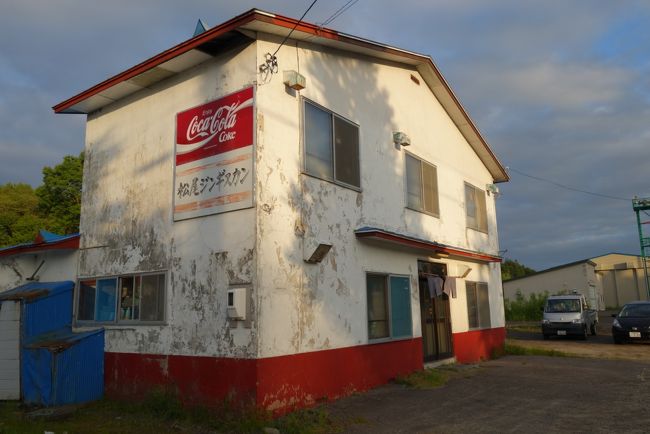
point(635, 311)
point(563, 305)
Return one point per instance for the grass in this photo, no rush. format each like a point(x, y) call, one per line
point(162, 412)
point(526, 328)
point(432, 378)
point(518, 350)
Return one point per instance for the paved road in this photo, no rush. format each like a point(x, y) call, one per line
point(513, 394)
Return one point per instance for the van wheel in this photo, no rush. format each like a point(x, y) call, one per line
point(583, 336)
point(545, 336)
point(593, 329)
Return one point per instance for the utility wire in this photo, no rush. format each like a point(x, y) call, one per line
point(566, 187)
point(294, 28)
point(340, 11)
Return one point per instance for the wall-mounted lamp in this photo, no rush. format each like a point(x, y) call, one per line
point(294, 80)
point(492, 188)
point(439, 255)
point(462, 271)
point(400, 138)
point(319, 253)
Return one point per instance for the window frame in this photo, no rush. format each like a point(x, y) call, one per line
point(406, 191)
point(117, 322)
point(480, 326)
point(478, 208)
point(390, 337)
point(332, 115)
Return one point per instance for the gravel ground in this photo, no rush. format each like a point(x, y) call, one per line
point(531, 394)
point(606, 389)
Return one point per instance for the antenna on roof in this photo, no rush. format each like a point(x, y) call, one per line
point(200, 27)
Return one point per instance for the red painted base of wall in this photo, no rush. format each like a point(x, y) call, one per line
point(198, 380)
point(282, 383)
point(300, 380)
point(477, 345)
point(279, 384)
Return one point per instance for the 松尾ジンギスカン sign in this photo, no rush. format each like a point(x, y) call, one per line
point(214, 157)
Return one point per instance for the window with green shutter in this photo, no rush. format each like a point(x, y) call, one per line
point(389, 306)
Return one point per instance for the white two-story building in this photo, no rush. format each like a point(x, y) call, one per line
point(282, 229)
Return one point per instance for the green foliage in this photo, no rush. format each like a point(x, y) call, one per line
point(517, 350)
point(425, 379)
point(512, 269)
point(19, 222)
point(54, 206)
point(525, 309)
point(59, 198)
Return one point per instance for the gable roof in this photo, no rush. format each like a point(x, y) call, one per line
point(557, 267)
point(204, 46)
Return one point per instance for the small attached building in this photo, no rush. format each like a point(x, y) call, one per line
point(279, 230)
point(50, 258)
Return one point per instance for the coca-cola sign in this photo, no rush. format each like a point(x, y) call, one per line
point(214, 157)
point(216, 127)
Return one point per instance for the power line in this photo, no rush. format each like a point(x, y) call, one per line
point(566, 187)
point(294, 28)
point(340, 11)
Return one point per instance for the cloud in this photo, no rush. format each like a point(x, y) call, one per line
point(560, 89)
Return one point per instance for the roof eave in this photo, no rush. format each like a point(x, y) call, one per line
point(420, 61)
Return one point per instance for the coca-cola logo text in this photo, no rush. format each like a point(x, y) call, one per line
point(212, 122)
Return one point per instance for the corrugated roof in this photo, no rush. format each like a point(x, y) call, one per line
point(59, 340)
point(34, 290)
point(44, 241)
point(202, 47)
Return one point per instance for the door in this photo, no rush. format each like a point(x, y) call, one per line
point(9, 350)
point(434, 314)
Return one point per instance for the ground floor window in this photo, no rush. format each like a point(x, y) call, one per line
point(478, 305)
point(389, 306)
point(137, 298)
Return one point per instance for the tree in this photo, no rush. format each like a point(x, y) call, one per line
point(59, 198)
point(511, 269)
point(54, 206)
point(19, 218)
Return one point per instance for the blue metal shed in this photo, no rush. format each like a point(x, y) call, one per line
point(57, 366)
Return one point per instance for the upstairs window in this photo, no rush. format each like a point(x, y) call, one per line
point(331, 146)
point(421, 186)
point(476, 208)
point(126, 299)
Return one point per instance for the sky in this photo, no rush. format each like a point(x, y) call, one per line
point(560, 90)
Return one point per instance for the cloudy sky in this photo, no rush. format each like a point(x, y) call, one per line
point(561, 90)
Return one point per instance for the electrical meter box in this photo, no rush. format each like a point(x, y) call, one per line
point(237, 303)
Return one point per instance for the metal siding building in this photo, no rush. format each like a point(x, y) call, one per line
point(56, 366)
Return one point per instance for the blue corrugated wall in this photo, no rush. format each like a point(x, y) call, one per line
point(57, 366)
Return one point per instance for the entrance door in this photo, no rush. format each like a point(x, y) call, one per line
point(434, 314)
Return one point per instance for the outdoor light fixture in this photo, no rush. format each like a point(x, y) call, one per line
point(294, 80)
point(492, 188)
point(462, 271)
point(401, 138)
point(319, 253)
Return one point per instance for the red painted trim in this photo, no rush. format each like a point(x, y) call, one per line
point(299, 380)
point(198, 380)
point(476, 345)
point(69, 243)
point(160, 58)
point(288, 23)
point(426, 245)
point(279, 384)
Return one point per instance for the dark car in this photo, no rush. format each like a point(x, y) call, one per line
point(632, 323)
